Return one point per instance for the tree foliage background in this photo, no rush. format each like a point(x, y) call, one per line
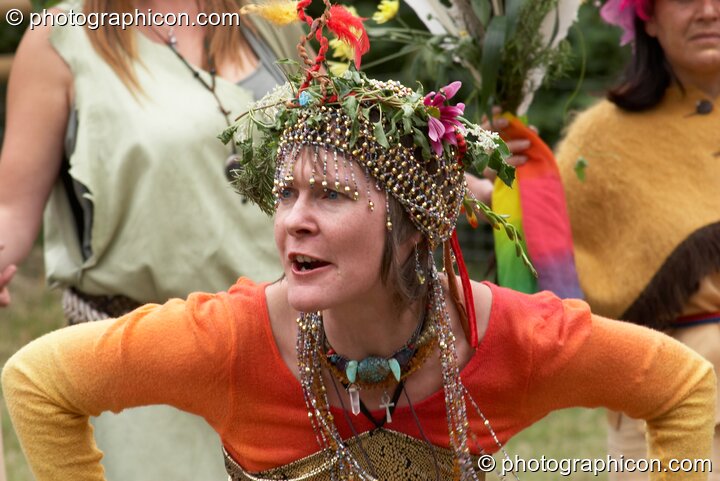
point(595, 62)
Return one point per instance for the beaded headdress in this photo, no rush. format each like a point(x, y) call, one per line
point(622, 13)
point(412, 146)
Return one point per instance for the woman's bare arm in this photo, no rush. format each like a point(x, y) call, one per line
point(38, 103)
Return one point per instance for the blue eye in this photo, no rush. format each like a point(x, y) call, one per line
point(285, 193)
point(333, 195)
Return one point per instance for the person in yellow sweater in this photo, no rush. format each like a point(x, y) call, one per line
point(365, 361)
point(646, 219)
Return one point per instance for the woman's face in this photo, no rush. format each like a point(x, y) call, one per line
point(331, 245)
point(689, 33)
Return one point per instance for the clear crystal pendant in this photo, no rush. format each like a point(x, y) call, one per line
point(354, 394)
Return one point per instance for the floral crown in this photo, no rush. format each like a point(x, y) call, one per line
point(622, 13)
point(415, 147)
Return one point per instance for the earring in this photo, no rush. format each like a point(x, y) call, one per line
point(418, 267)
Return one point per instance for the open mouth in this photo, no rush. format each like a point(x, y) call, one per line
point(302, 263)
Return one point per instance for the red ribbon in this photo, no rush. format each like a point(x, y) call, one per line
point(467, 290)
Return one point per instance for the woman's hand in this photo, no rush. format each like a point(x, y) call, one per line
point(482, 188)
point(516, 146)
point(5, 277)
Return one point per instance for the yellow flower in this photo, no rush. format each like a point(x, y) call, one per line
point(342, 50)
point(338, 68)
point(386, 11)
point(279, 12)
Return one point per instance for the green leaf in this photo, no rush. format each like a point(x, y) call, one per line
point(491, 57)
point(350, 106)
point(482, 9)
point(580, 165)
point(556, 26)
point(380, 135)
point(288, 61)
point(38, 5)
point(355, 132)
point(407, 125)
point(513, 9)
point(505, 172)
point(422, 141)
point(246, 151)
point(366, 113)
point(399, 114)
point(227, 134)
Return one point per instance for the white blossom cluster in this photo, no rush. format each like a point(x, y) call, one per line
point(486, 138)
point(263, 111)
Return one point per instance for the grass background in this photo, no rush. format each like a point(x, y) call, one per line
point(35, 310)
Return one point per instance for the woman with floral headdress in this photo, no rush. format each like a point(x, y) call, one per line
point(364, 361)
point(646, 219)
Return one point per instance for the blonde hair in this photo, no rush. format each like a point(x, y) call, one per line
point(118, 47)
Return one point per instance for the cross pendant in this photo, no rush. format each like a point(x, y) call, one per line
point(387, 404)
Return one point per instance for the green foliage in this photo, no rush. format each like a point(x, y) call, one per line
point(595, 62)
point(10, 36)
point(590, 43)
point(526, 50)
point(494, 63)
point(498, 222)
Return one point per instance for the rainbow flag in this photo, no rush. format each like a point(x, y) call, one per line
point(536, 206)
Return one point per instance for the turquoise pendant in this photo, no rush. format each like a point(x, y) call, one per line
point(373, 369)
point(351, 371)
point(395, 368)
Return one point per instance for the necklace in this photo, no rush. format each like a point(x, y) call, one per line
point(232, 163)
point(376, 371)
point(310, 352)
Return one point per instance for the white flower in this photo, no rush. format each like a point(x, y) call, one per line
point(487, 139)
point(262, 111)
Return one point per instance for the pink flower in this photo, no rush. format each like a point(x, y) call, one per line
point(622, 14)
point(443, 119)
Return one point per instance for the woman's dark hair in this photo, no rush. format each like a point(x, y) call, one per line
point(646, 77)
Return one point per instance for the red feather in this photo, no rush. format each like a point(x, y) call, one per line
point(350, 29)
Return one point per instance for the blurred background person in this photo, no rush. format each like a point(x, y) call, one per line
point(646, 219)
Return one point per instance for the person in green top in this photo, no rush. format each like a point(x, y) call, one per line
point(112, 134)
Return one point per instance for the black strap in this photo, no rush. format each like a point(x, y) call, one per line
point(383, 419)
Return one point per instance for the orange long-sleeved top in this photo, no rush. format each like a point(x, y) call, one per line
point(215, 355)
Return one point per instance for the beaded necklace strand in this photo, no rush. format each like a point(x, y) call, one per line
point(233, 160)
